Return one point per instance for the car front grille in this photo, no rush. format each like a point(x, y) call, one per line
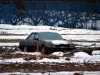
point(63, 45)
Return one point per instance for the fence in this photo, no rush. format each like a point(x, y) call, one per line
point(74, 14)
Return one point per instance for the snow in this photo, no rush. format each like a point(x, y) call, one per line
point(81, 54)
point(14, 60)
point(9, 44)
point(82, 37)
point(67, 33)
point(13, 37)
point(26, 31)
point(79, 57)
point(96, 52)
point(30, 53)
point(79, 31)
point(88, 44)
point(58, 53)
point(55, 73)
point(23, 27)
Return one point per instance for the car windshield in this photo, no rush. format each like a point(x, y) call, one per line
point(50, 36)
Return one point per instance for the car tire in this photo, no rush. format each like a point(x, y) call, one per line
point(43, 50)
point(25, 49)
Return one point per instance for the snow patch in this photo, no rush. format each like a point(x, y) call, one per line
point(13, 60)
point(58, 53)
point(81, 54)
point(96, 52)
point(31, 53)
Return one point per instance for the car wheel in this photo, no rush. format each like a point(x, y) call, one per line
point(25, 49)
point(43, 50)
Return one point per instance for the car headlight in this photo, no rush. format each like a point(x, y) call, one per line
point(50, 44)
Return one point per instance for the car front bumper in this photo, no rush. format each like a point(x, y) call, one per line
point(60, 48)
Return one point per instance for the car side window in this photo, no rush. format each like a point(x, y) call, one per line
point(31, 36)
point(36, 36)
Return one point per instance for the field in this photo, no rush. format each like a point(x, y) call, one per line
point(85, 59)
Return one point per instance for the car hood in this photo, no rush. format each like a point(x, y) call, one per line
point(57, 42)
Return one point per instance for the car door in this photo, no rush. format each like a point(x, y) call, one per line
point(29, 41)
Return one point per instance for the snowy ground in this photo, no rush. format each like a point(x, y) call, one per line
point(77, 36)
point(56, 73)
point(79, 57)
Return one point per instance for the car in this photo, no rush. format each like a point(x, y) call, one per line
point(45, 42)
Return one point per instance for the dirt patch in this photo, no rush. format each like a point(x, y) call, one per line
point(48, 67)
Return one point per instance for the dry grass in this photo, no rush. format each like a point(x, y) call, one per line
point(9, 40)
